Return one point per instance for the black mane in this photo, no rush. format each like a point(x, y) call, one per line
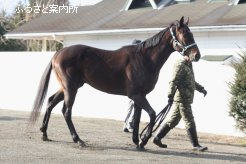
point(153, 41)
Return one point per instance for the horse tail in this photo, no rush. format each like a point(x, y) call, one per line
point(42, 91)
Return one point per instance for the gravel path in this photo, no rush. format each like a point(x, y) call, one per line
point(106, 143)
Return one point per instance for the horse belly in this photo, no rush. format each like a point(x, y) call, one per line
point(106, 81)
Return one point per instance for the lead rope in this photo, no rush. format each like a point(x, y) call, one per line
point(161, 116)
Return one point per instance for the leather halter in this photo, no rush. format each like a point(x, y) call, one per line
point(184, 48)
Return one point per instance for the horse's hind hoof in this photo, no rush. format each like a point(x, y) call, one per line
point(45, 138)
point(81, 143)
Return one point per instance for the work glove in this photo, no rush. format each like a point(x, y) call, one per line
point(204, 92)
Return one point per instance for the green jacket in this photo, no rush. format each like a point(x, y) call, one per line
point(184, 81)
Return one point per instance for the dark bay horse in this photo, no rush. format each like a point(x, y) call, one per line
point(130, 71)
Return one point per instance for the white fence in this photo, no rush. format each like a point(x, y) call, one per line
point(21, 72)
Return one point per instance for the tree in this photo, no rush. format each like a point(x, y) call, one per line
point(6, 24)
point(238, 92)
point(17, 19)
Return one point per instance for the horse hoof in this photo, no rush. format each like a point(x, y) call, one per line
point(140, 146)
point(81, 143)
point(45, 138)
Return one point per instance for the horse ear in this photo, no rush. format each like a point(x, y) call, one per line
point(187, 22)
point(181, 22)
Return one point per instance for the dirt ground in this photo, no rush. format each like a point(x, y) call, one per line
point(106, 143)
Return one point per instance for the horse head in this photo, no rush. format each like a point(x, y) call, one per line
point(183, 40)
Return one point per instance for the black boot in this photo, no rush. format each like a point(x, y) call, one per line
point(194, 140)
point(162, 132)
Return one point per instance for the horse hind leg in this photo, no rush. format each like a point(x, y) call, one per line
point(52, 102)
point(67, 113)
point(136, 121)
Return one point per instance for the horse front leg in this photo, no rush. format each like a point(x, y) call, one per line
point(143, 103)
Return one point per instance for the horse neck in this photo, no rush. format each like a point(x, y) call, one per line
point(161, 52)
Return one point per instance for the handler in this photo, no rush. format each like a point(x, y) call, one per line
point(181, 91)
